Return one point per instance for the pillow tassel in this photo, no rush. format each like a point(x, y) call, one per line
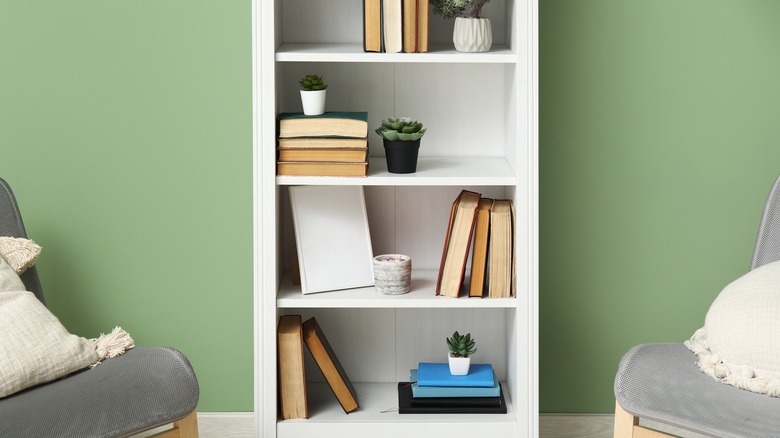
point(112, 344)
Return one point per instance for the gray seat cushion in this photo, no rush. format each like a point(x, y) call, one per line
point(663, 382)
point(142, 389)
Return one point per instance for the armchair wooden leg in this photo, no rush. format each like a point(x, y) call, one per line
point(624, 423)
point(187, 427)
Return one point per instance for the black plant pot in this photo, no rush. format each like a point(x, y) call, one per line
point(401, 155)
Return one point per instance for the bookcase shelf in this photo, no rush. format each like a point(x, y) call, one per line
point(422, 295)
point(344, 52)
point(480, 111)
point(431, 171)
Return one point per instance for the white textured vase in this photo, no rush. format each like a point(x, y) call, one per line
point(472, 35)
point(459, 366)
point(392, 274)
point(313, 102)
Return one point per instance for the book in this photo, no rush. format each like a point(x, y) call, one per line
point(329, 124)
point(456, 244)
point(410, 26)
point(423, 11)
point(438, 374)
point(322, 168)
point(292, 375)
point(405, 405)
point(500, 253)
point(372, 25)
point(392, 25)
point(329, 364)
point(479, 252)
point(322, 143)
point(323, 155)
point(455, 392)
point(332, 238)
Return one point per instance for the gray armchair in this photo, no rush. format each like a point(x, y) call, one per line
point(663, 382)
point(145, 388)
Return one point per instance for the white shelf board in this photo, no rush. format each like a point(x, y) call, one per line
point(378, 417)
point(422, 295)
point(431, 171)
point(353, 52)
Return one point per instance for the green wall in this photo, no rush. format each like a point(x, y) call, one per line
point(126, 133)
point(659, 140)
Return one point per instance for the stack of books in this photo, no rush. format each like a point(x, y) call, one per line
point(394, 26)
point(330, 144)
point(433, 390)
point(489, 223)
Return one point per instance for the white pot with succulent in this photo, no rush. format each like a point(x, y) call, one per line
point(472, 32)
point(313, 95)
point(461, 347)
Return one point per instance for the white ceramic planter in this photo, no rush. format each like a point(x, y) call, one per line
point(472, 35)
point(313, 102)
point(392, 274)
point(459, 366)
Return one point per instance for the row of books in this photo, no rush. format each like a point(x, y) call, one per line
point(433, 390)
point(330, 144)
point(490, 224)
point(292, 334)
point(394, 26)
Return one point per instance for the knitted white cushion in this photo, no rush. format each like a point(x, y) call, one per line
point(740, 341)
point(34, 347)
point(19, 253)
point(8, 279)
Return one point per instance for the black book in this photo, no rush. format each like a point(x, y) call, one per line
point(409, 405)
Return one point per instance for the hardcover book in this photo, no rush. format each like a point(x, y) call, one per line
point(329, 124)
point(456, 244)
point(329, 364)
point(405, 405)
point(323, 155)
point(372, 25)
point(500, 254)
point(292, 375)
point(479, 253)
point(438, 374)
point(455, 392)
point(321, 168)
point(322, 143)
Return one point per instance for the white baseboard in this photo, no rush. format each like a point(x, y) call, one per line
point(595, 426)
point(218, 425)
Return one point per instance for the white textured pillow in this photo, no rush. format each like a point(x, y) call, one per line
point(34, 347)
point(9, 281)
point(19, 253)
point(740, 341)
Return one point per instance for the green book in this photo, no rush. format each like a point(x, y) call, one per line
point(352, 124)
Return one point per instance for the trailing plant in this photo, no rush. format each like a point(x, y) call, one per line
point(458, 8)
point(461, 346)
point(402, 128)
point(312, 83)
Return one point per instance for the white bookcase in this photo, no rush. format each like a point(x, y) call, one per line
point(481, 114)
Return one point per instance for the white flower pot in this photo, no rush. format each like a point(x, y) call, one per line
point(472, 34)
point(459, 366)
point(313, 102)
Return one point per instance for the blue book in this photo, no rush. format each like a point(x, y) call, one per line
point(438, 374)
point(452, 391)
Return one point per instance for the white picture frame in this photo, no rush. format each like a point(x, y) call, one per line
point(332, 237)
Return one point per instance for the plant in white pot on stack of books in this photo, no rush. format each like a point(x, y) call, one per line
point(401, 139)
point(313, 95)
point(472, 32)
point(461, 347)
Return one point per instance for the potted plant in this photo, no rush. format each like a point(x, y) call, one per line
point(461, 347)
point(472, 33)
point(401, 138)
point(313, 95)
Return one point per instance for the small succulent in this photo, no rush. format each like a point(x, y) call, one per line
point(458, 8)
point(461, 346)
point(402, 128)
point(312, 83)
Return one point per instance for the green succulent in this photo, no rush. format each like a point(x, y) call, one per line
point(402, 128)
point(461, 346)
point(312, 83)
point(458, 8)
